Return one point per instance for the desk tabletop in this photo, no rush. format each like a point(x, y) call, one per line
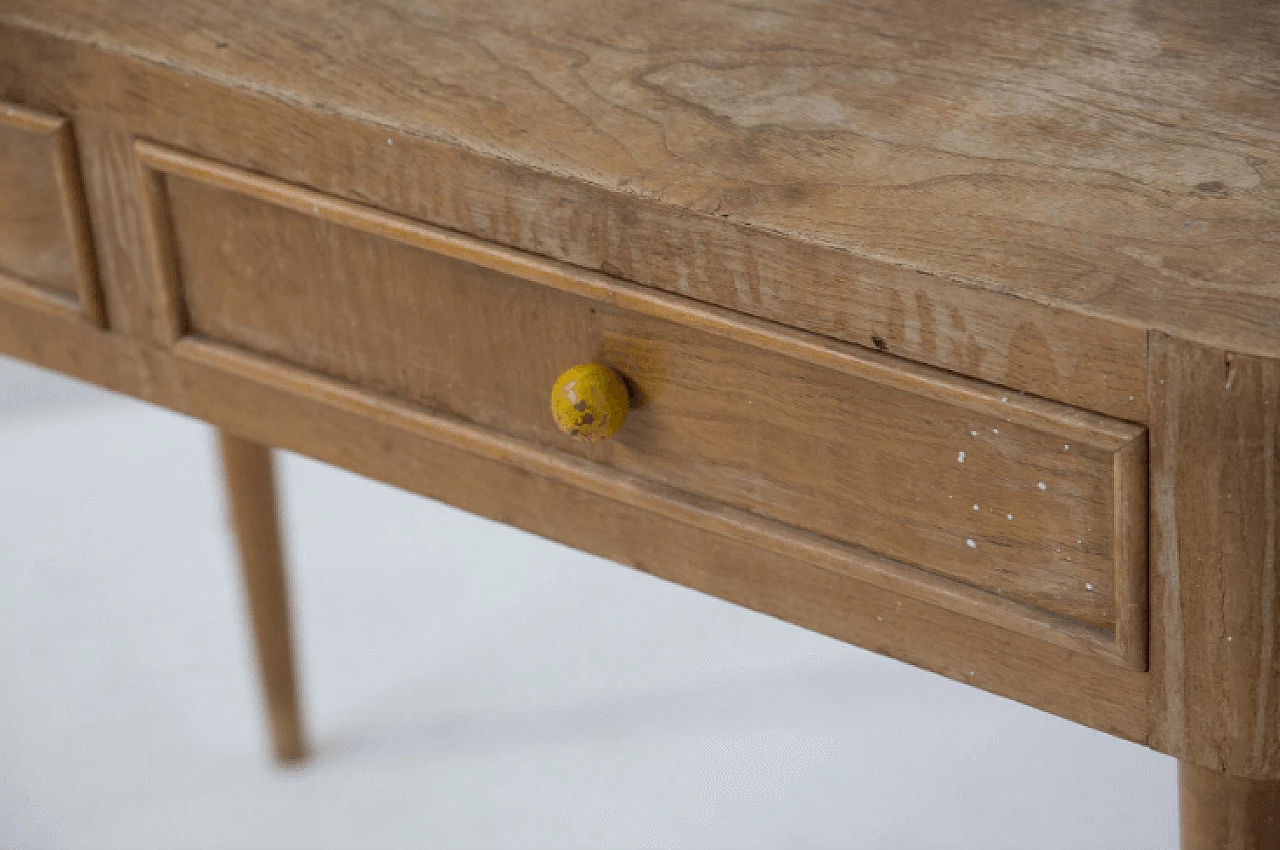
point(1117, 159)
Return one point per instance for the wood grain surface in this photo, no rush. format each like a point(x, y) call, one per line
point(1226, 812)
point(1074, 200)
point(250, 481)
point(302, 414)
point(121, 214)
point(45, 249)
point(1215, 575)
point(1056, 352)
point(34, 244)
point(1015, 497)
point(1119, 159)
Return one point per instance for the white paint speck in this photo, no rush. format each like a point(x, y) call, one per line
point(1042, 485)
point(1230, 638)
point(1066, 448)
point(995, 430)
point(1088, 586)
point(1004, 399)
point(389, 142)
point(960, 458)
point(969, 542)
point(1009, 516)
point(975, 507)
point(973, 433)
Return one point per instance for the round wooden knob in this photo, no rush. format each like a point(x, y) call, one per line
point(589, 402)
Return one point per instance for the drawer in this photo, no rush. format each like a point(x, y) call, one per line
point(45, 250)
point(1013, 509)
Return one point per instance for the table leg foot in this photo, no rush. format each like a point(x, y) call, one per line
point(1220, 812)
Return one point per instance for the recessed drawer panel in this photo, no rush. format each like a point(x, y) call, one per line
point(44, 238)
point(1010, 508)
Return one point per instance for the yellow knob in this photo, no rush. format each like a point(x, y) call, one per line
point(589, 402)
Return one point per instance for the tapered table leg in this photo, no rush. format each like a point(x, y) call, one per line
point(251, 497)
point(1227, 813)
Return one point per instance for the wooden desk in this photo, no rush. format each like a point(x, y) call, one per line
point(951, 330)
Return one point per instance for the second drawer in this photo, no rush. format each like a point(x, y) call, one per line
point(984, 495)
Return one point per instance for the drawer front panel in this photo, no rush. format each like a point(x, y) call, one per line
point(992, 494)
point(44, 242)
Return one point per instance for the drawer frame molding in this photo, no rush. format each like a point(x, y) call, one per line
point(1126, 645)
point(88, 305)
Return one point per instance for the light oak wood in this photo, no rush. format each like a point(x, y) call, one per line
point(1017, 498)
point(484, 474)
point(872, 221)
point(45, 250)
point(1215, 579)
point(33, 241)
point(1227, 813)
point(1053, 351)
point(1119, 159)
point(120, 217)
point(251, 498)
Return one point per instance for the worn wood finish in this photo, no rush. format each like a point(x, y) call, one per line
point(1215, 480)
point(1017, 498)
point(1227, 813)
point(45, 249)
point(1056, 352)
point(34, 244)
point(251, 499)
point(1117, 158)
point(424, 454)
point(1074, 200)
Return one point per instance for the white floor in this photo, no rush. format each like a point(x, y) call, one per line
point(468, 686)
